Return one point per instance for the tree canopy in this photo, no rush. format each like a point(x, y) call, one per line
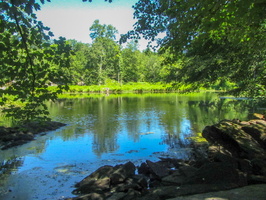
point(185, 21)
point(99, 31)
point(220, 39)
point(30, 61)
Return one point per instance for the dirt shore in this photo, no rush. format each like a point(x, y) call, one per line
point(15, 136)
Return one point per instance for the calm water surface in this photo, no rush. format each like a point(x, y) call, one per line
point(109, 130)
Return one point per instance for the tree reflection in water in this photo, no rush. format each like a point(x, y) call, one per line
point(8, 167)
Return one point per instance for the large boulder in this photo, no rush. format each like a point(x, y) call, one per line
point(257, 130)
point(231, 135)
point(244, 142)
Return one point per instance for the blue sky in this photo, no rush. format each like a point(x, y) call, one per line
point(73, 18)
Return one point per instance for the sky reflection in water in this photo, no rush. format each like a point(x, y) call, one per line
point(108, 130)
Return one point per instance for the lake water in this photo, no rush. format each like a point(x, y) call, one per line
point(109, 130)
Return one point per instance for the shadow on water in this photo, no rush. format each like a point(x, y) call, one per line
point(109, 130)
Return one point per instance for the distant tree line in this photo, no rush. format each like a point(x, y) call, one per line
point(105, 59)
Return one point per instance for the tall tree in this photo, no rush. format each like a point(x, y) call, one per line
point(77, 72)
point(105, 53)
point(152, 66)
point(99, 31)
point(132, 63)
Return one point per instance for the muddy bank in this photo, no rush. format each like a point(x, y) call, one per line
point(15, 136)
point(234, 157)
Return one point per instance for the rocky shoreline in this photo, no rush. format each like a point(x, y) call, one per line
point(15, 136)
point(234, 157)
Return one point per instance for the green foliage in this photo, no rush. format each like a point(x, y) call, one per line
point(102, 31)
point(77, 72)
point(153, 66)
point(132, 63)
point(97, 62)
point(114, 87)
point(29, 61)
point(216, 40)
point(103, 61)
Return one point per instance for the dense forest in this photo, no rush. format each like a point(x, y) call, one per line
point(106, 60)
point(207, 43)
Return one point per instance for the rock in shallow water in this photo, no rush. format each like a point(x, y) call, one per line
point(235, 158)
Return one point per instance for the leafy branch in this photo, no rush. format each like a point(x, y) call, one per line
point(24, 41)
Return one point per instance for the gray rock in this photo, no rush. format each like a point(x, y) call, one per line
point(108, 179)
point(132, 195)
point(217, 173)
point(122, 172)
point(117, 196)
point(225, 158)
point(232, 137)
point(130, 183)
point(187, 170)
point(157, 169)
point(99, 186)
point(102, 172)
point(175, 178)
point(144, 169)
point(245, 166)
point(141, 181)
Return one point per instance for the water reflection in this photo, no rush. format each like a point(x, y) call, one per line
point(110, 130)
point(8, 167)
point(109, 120)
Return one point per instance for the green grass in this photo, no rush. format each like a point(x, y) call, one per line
point(113, 87)
point(115, 95)
point(76, 91)
point(141, 87)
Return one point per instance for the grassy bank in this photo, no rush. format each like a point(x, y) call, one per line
point(115, 88)
point(126, 88)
